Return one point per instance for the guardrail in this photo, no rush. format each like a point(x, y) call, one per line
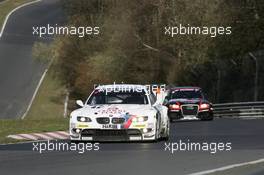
point(240, 110)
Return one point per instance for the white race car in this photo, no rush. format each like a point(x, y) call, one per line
point(120, 113)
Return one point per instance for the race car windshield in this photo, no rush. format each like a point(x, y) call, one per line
point(118, 98)
point(186, 94)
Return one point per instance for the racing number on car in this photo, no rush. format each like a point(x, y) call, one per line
point(109, 126)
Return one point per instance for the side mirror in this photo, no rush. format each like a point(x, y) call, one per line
point(79, 103)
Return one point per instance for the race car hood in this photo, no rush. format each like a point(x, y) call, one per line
point(188, 101)
point(113, 110)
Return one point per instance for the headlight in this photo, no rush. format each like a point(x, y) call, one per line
point(140, 119)
point(204, 106)
point(175, 106)
point(83, 119)
point(78, 130)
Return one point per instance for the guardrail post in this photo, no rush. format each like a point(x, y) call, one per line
point(256, 76)
point(66, 104)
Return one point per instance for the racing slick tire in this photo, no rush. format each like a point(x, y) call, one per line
point(208, 117)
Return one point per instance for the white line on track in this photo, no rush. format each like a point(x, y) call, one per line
point(10, 13)
point(35, 93)
point(228, 167)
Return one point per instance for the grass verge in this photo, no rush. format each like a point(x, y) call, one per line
point(7, 6)
point(46, 113)
point(19, 126)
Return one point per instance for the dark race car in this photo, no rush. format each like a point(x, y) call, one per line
point(188, 103)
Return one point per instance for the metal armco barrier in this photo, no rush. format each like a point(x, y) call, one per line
point(240, 110)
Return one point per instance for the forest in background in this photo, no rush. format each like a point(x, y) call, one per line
point(132, 47)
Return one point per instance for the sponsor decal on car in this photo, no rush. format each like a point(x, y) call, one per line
point(112, 110)
point(110, 126)
point(139, 126)
point(82, 125)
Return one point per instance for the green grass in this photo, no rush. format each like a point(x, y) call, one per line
point(49, 102)
point(19, 126)
point(46, 113)
point(7, 6)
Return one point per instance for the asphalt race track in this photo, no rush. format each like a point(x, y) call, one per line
point(246, 137)
point(19, 72)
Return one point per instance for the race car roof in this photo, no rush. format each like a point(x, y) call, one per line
point(121, 86)
point(185, 88)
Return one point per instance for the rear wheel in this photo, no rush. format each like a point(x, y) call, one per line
point(209, 118)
